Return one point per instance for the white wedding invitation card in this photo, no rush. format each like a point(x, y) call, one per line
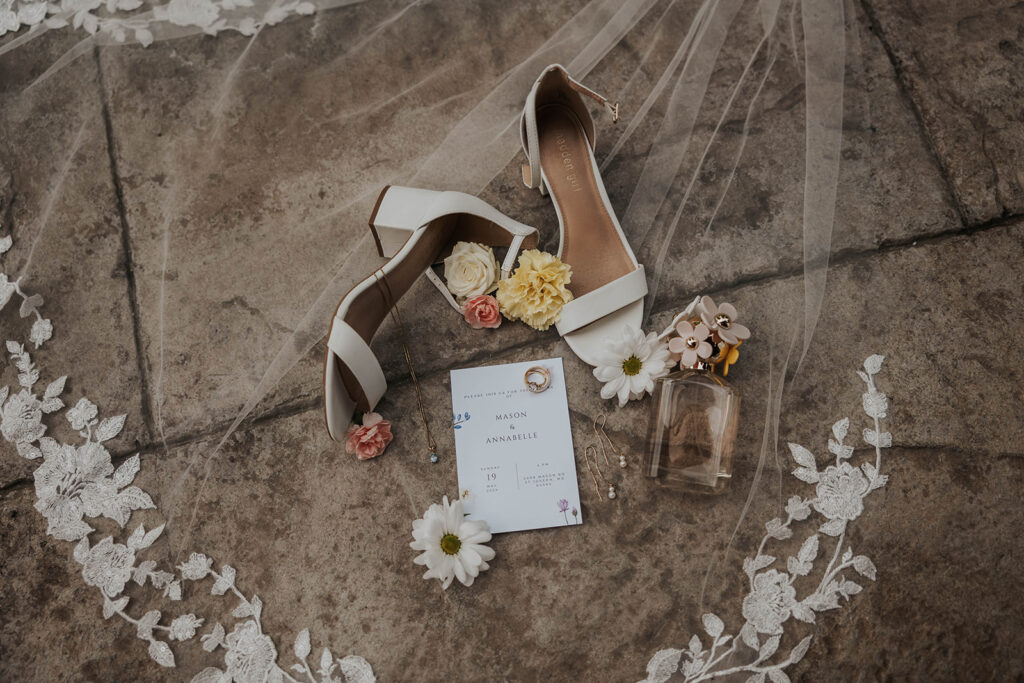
point(514, 448)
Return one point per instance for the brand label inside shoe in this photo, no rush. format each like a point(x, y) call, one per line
point(568, 165)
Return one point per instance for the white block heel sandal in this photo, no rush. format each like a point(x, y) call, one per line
point(607, 282)
point(414, 229)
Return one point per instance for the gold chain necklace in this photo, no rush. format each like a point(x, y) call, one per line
point(396, 316)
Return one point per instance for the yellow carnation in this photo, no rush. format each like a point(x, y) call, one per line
point(536, 292)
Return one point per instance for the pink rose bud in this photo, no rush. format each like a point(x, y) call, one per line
point(481, 311)
point(369, 439)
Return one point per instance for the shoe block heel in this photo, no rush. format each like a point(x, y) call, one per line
point(397, 215)
point(541, 185)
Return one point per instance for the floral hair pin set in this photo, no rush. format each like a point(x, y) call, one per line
point(534, 293)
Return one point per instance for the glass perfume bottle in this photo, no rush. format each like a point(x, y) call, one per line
point(692, 431)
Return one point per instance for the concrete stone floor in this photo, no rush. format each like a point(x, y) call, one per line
point(181, 208)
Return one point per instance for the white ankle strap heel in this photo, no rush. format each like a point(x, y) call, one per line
point(414, 228)
point(528, 131)
point(558, 138)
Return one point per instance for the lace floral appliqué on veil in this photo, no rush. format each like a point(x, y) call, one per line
point(135, 21)
point(774, 600)
point(77, 482)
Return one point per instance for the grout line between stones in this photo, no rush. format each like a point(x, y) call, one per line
point(904, 88)
point(304, 404)
point(8, 217)
point(849, 256)
point(126, 246)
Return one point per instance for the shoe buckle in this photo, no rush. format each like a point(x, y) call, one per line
point(614, 109)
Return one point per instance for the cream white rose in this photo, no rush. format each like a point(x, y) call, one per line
point(471, 270)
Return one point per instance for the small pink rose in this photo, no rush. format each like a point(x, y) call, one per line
point(481, 311)
point(369, 439)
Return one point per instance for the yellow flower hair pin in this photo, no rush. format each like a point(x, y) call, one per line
point(537, 290)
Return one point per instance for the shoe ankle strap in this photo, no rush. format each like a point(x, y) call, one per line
point(510, 258)
point(612, 107)
point(528, 127)
point(442, 287)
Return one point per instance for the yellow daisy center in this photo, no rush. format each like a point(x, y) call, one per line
point(632, 365)
point(450, 544)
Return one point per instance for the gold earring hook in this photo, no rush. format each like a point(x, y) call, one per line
point(599, 430)
point(586, 457)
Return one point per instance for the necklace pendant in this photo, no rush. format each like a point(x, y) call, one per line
point(433, 457)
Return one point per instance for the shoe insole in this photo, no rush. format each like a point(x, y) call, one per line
point(590, 242)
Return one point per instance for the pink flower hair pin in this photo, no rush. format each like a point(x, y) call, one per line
point(722, 321)
point(369, 439)
point(705, 335)
point(482, 312)
point(691, 345)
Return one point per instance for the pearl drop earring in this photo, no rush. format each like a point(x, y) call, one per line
point(599, 431)
point(597, 487)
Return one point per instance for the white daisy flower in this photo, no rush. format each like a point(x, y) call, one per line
point(452, 545)
point(629, 365)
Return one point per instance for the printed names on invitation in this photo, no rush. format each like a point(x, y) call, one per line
point(514, 448)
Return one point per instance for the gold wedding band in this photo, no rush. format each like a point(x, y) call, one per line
point(537, 387)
